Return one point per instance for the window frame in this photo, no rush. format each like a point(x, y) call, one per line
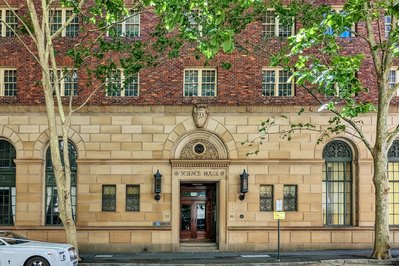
point(2, 82)
point(261, 207)
point(394, 69)
point(132, 197)
point(393, 179)
point(200, 83)
point(5, 31)
point(63, 73)
point(122, 24)
point(8, 170)
point(295, 198)
point(277, 25)
point(276, 83)
point(64, 18)
point(342, 156)
point(122, 91)
point(113, 209)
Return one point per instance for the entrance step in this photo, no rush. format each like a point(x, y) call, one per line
point(199, 247)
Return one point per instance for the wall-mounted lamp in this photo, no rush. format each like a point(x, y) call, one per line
point(157, 185)
point(243, 184)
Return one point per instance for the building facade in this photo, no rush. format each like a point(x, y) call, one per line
point(163, 165)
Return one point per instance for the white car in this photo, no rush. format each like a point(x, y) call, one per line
point(16, 250)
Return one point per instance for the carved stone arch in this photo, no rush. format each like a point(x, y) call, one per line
point(354, 148)
point(10, 135)
point(200, 145)
point(40, 146)
point(220, 136)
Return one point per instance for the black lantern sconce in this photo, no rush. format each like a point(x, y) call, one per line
point(157, 185)
point(243, 184)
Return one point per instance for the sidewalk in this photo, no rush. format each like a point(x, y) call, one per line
point(322, 257)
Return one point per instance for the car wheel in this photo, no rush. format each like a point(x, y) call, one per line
point(37, 261)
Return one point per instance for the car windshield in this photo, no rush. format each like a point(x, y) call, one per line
point(12, 238)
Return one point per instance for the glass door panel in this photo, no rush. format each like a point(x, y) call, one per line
point(201, 216)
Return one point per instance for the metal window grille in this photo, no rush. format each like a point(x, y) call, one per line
point(266, 197)
point(200, 82)
point(52, 215)
point(290, 199)
point(132, 197)
point(7, 183)
point(109, 198)
point(337, 184)
point(393, 178)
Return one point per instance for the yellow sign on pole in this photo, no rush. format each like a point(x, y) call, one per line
point(279, 215)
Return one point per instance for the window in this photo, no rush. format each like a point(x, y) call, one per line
point(67, 81)
point(119, 85)
point(52, 211)
point(194, 20)
point(290, 193)
point(132, 197)
point(387, 24)
point(275, 82)
point(345, 34)
point(393, 178)
point(8, 82)
point(58, 17)
point(337, 184)
point(266, 198)
point(8, 22)
point(7, 183)
point(273, 27)
point(109, 198)
point(200, 82)
point(130, 27)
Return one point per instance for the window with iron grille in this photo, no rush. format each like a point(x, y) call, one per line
point(8, 82)
point(393, 178)
point(200, 82)
point(290, 200)
point(109, 198)
point(273, 26)
point(67, 81)
point(275, 82)
point(7, 183)
point(118, 84)
point(132, 197)
point(337, 184)
point(266, 198)
point(58, 17)
point(52, 212)
point(8, 22)
point(130, 27)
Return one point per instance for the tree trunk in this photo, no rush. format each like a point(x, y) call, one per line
point(381, 227)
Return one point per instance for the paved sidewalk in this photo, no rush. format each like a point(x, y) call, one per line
point(325, 257)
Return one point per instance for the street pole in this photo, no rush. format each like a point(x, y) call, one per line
point(278, 240)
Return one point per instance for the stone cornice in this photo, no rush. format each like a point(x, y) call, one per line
point(187, 109)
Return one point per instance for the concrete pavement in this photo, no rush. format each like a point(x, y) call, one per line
point(323, 257)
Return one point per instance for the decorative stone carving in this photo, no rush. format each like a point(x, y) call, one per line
point(199, 149)
point(200, 115)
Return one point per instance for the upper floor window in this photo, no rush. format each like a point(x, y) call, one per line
point(393, 78)
point(59, 17)
point(274, 27)
point(337, 184)
point(130, 26)
point(8, 22)
point(67, 81)
point(118, 84)
point(346, 33)
point(8, 82)
point(387, 25)
point(275, 82)
point(200, 82)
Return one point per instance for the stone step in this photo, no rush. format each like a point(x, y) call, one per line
point(198, 247)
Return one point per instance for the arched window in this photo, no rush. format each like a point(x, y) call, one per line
point(7, 183)
point(337, 184)
point(52, 212)
point(393, 177)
